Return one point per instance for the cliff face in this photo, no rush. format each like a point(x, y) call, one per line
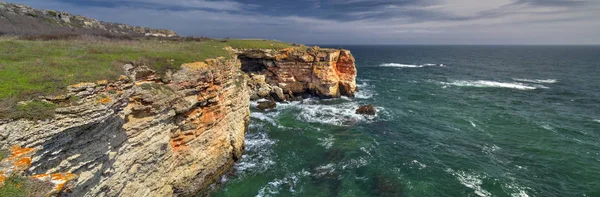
point(141, 136)
point(24, 20)
point(290, 74)
point(151, 134)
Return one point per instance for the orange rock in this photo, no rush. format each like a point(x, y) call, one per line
point(104, 100)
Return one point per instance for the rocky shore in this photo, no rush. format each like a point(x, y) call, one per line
point(170, 134)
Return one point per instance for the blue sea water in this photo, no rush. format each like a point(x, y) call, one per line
point(452, 121)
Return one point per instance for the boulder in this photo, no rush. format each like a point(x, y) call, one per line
point(296, 88)
point(265, 105)
point(366, 110)
point(278, 93)
point(263, 92)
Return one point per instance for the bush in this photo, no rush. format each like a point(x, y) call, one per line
point(52, 13)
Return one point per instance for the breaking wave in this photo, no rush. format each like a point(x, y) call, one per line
point(494, 84)
point(409, 65)
point(364, 91)
point(470, 180)
point(546, 81)
point(259, 153)
point(274, 187)
point(340, 114)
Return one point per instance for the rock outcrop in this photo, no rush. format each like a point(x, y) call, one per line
point(367, 110)
point(292, 73)
point(23, 20)
point(141, 136)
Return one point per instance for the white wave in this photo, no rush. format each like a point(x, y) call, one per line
point(473, 181)
point(418, 164)
point(487, 149)
point(263, 117)
point(326, 142)
point(493, 84)
point(275, 186)
point(516, 190)
point(342, 114)
point(597, 120)
point(325, 169)
point(548, 81)
point(397, 65)
point(364, 91)
point(354, 163)
point(473, 124)
point(259, 153)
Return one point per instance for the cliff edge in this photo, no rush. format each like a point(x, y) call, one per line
point(295, 73)
point(143, 135)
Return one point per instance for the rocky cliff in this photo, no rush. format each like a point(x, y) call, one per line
point(294, 73)
point(23, 20)
point(170, 134)
point(144, 135)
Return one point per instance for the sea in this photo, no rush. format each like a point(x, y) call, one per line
point(459, 121)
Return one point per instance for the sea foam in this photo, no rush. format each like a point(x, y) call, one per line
point(259, 153)
point(546, 81)
point(398, 65)
point(493, 84)
point(470, 180)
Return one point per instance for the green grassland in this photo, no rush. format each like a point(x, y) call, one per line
point(31, 68)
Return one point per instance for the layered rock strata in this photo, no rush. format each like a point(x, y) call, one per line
point(170, 134)
point(144, 135)
point(293, 73)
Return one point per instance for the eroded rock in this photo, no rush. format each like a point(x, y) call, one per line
point(138, 136)
point(266, 105)
point(367, 110)
point(321, 72)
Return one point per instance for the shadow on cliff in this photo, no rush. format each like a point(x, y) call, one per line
point(83, 148)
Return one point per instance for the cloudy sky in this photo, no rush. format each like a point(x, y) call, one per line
point(356, 21)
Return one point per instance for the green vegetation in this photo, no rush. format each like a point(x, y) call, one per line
point(52, 13)
point(34, 110)
point(255, 44)
point(3, 154)
point(17, 186)
point(31, 68)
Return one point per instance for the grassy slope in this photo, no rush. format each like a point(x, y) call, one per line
point(33, 68)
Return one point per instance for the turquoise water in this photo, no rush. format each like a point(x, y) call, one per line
point(452, 121)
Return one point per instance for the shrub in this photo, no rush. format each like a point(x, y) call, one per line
point(52, 13)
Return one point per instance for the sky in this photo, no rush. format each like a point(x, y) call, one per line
point(356, 21)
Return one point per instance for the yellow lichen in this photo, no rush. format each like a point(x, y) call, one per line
point(195, 65)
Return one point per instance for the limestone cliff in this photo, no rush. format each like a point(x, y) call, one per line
point(143, 135)
point(291, 73)
point(171, 134)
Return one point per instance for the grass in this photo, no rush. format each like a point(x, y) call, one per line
point(3, 154)
point(17, 186)
point(31, 68)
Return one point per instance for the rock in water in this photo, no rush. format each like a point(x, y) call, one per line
point(366, 110)
point(265, 105)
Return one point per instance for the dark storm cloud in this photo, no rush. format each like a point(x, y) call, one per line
point(357, 21)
